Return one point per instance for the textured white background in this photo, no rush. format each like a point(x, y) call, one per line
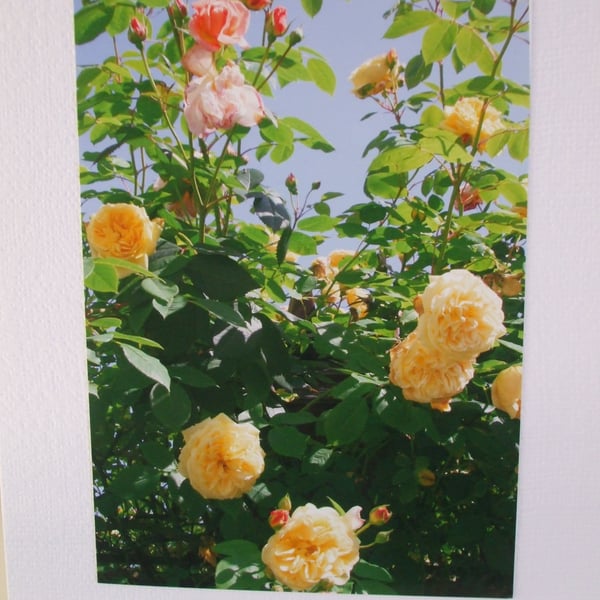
point(45, 486)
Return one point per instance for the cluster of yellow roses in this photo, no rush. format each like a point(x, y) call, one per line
point(223, 459)
point(459, 317)
point(471, 118)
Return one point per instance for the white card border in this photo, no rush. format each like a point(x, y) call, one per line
point(45, 490)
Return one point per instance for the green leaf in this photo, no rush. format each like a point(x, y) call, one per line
point(485, 6)
point(159, 289)
point(125, 264)
point(221, 311)
point(410, 22)
point(469, 45)
point(172, 408)
point(120, 19)
point(302, 243)
point(135, 482)
point(322, 74)
point(367, 570)
point(312, 7)
point(455, 8)
point(318, 223)
point(136, 339)
point(345, 423)
point(220, 277)
point(148, 365)
point(314, 138)
point(287, 441)
point(518, 145)
point(100, 277)
point(416, 71)
point(438, 41)
point(156, 454)
point(191, 376)
point(400, 159)
point(282, 244)
point(90, 22)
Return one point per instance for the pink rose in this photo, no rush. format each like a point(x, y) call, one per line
point(217, 23)
point(277, 21)
point(221, 101)
point(198, 61)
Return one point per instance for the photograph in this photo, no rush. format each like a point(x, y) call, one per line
point(304, 291)
point(282, 293)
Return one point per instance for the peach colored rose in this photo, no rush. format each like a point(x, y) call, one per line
point(336, 257)
point(221, 101)
point(123, 231)
point(217, 23)
point(316, 544)
point(463, 119)
point(358, 300)
point(506, 391)
point(462, 316)
point(377, 75)
point(199, 61)
point(222, 459)
point(425, 374)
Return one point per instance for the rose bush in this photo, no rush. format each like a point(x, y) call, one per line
point(238, 367)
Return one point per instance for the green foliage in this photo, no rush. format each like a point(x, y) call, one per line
point(237, 313)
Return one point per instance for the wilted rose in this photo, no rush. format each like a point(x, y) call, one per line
point(222, 459)
point(358, 300)
point(462, 316)
point(123, 231)
point(217, 23)
point(315, 545)
point(463, 119)
point(425, 374)
point(506, 391)
point(378, 74)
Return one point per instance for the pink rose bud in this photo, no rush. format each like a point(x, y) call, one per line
point(278, 518)
point(277, 21)
point(256, 4)
point(137, 32)
point(290, 184)
point(177, 11)
point(380, 515)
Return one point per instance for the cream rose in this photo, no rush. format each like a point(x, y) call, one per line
point(316, 544)
point(221, 458)
point(123, 231)
point(427, 375)
point(506, 391)
point(463, 119)
point(376, 75)
point(462, 316)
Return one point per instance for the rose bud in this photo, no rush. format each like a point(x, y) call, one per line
point(296, 36)
point(177, 11)
point(426, 478)
point(256, 4)
point(137, 32)
point(278, 518)
point(277, 22)
point(285, 503)
point(380, 515)
point(291, 185)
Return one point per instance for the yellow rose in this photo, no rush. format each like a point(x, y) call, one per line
point(463, 119)
point(425, 374)
point(378, 74)
point(358, 300)
point(221, 458)
point(336, 257)
point(462, 316)
point(123, 231)
point(506, 391)
point(316, 544)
